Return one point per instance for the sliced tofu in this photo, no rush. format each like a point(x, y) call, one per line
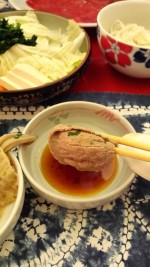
point(23, 76)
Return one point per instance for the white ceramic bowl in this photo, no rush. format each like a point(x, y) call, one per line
point(87, 114)
point(12, 212)
point(131, 60)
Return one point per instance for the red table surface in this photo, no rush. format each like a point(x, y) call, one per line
point(101, 77)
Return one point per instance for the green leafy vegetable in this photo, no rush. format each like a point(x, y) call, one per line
point(56, 54)
point(17, 136)
point(11, 34)
point(74, 133)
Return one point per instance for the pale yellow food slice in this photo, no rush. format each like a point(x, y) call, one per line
point(8, 181)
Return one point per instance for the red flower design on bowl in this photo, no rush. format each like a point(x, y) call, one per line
point(116, 52)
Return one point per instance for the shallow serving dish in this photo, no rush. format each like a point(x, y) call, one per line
point(87, 114)
point(12, 212)
point(42, 93)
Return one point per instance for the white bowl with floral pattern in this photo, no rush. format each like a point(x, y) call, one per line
point(130, 59)
point(81, 113)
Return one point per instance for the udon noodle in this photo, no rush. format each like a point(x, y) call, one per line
point(8, 181)
point(130, 33)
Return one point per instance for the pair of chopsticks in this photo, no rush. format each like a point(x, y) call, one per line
point(140, 155)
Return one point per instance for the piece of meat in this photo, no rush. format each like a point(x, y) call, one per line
point(80, 147)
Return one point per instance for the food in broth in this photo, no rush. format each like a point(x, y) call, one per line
point(81, 148)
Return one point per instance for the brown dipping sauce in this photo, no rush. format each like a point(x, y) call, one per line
point(68, 180)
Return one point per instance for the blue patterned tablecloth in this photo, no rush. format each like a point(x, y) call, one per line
point(113, 235)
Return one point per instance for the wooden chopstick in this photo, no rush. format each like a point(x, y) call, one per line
point(126, 141)
point(140, 155)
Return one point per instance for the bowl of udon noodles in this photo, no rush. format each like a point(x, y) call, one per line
point(12, 193)
point(123, 35)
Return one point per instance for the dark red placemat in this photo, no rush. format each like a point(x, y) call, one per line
point(101, 77)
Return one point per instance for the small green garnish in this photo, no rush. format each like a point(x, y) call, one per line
point(74, 132)
point(11, 34)
point(18, 135)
